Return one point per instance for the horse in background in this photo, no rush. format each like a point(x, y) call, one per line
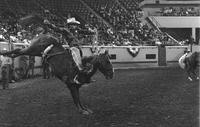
point(190, 62)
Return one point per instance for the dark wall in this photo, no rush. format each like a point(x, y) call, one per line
point(197, 35)
point(178, 33)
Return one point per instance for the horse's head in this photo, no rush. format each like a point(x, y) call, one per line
point(105, 65)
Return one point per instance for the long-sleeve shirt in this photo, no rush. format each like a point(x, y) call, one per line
point(65, 32)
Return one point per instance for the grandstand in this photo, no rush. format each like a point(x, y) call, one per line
point(184, 17)
point(119, 22)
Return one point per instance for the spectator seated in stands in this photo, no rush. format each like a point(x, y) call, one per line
point(172, 11)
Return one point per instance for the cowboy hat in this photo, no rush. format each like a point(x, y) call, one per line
point(72, 21)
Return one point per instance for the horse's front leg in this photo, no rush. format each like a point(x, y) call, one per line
point(85, 108)
point(189, 75)
point(195, 74)
point(75, 95)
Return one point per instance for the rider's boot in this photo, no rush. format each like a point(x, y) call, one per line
point(85, 73)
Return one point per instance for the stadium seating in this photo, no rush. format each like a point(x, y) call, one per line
point(114, 19)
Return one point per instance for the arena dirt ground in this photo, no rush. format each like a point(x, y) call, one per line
point(134, 98)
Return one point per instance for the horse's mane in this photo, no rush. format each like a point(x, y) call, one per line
point(88, 59)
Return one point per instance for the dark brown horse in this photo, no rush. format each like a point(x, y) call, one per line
point(190, 63)
point(63, 65)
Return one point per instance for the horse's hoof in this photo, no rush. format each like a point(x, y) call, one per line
point(84, 112)
point(89, 110)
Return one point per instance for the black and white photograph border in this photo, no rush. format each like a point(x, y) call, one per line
point(99, 63)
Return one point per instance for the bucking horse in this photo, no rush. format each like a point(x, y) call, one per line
point(63, 64)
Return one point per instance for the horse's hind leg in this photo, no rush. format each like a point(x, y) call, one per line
point(16, 52)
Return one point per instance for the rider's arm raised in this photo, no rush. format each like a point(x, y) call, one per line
point(63, 31)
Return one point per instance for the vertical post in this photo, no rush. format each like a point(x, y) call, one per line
point(194, 33)
point(162, 55)
point(11, 66)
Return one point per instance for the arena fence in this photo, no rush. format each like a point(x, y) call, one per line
point(152, 55)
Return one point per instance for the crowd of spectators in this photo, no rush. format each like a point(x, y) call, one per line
point(182, 11)
point(125, 27)
point(104, 35)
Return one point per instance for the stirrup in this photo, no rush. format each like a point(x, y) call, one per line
point(76, 80)
point(91, 69)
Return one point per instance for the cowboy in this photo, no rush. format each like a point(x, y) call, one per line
point(64, 31)
point(4, 77)
point(30, 70)
point(46, 69)
point(70, 38)
point(6, 64)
